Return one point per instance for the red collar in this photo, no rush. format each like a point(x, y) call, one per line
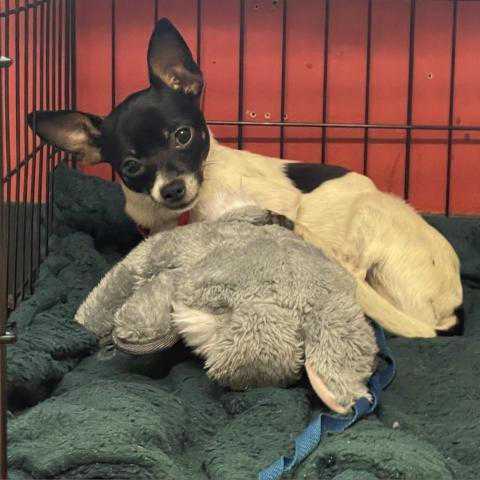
point(183, 219)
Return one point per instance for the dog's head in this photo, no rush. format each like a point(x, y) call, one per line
point(156, 139)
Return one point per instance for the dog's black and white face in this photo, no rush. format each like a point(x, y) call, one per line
point(156, 139)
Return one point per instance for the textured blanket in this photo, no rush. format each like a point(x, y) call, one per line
point(84, 413)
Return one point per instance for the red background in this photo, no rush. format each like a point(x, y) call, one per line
point(98, 76)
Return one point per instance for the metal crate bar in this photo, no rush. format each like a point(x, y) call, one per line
point(283, 77)
point(26, 106)
point(241, 64)
point(411, 64)
point(4, 63)
point(378, 126)
point(325, 79)
point(451, 104)
point(37, 71)
point(18, 9)
point(368, 61)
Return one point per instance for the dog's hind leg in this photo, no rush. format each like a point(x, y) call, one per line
point(386, 261)
point(419, 271)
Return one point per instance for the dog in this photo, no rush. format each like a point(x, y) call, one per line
point(169, 163)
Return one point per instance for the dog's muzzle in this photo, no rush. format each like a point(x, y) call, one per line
point(175, 194)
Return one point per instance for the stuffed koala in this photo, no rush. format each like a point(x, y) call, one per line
point(249, 296)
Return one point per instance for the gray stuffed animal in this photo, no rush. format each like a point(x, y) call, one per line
point(251, 298)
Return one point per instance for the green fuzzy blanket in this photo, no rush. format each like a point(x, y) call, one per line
point(77, 412)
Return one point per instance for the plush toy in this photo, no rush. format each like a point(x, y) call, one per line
point(254, 300)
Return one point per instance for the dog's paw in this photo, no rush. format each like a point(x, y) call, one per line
point(273, 218)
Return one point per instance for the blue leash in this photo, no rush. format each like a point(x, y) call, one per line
point(309, 439)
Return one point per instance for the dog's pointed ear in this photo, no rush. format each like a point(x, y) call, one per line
point(170, 62)
point(73, 132)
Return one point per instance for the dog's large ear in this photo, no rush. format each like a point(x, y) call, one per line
point(170, 61)
point(73, 132)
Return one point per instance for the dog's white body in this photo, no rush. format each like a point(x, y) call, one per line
point(407, 273)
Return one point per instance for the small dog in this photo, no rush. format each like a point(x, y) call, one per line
point(157, 141)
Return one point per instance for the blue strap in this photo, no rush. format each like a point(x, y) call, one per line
point(309, 439)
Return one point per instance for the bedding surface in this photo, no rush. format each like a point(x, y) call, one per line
point(81, 412)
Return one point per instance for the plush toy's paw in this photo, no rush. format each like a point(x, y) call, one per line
point(136, 348)
point(97, 322)
point(339, 396)
point(273, 218)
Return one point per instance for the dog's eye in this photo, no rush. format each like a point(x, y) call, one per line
point(132, 168)
point(183, 136)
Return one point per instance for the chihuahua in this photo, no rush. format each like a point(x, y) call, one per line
point(168, 162)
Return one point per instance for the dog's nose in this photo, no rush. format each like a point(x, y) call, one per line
point(174, 191)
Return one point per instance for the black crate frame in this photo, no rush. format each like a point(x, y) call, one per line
point(51, 38)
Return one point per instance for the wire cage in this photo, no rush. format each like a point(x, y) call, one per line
point(36, 72)
point(386, 87)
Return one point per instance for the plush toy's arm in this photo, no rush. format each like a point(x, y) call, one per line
point(97, 311)
point(340, 351)
point(144, 324)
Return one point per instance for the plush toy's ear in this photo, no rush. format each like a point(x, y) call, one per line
point(170, 62)
point(325, 395)
point(73, 132)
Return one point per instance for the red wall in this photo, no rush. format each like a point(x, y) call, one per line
point(27, 85)
point(219, 57)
